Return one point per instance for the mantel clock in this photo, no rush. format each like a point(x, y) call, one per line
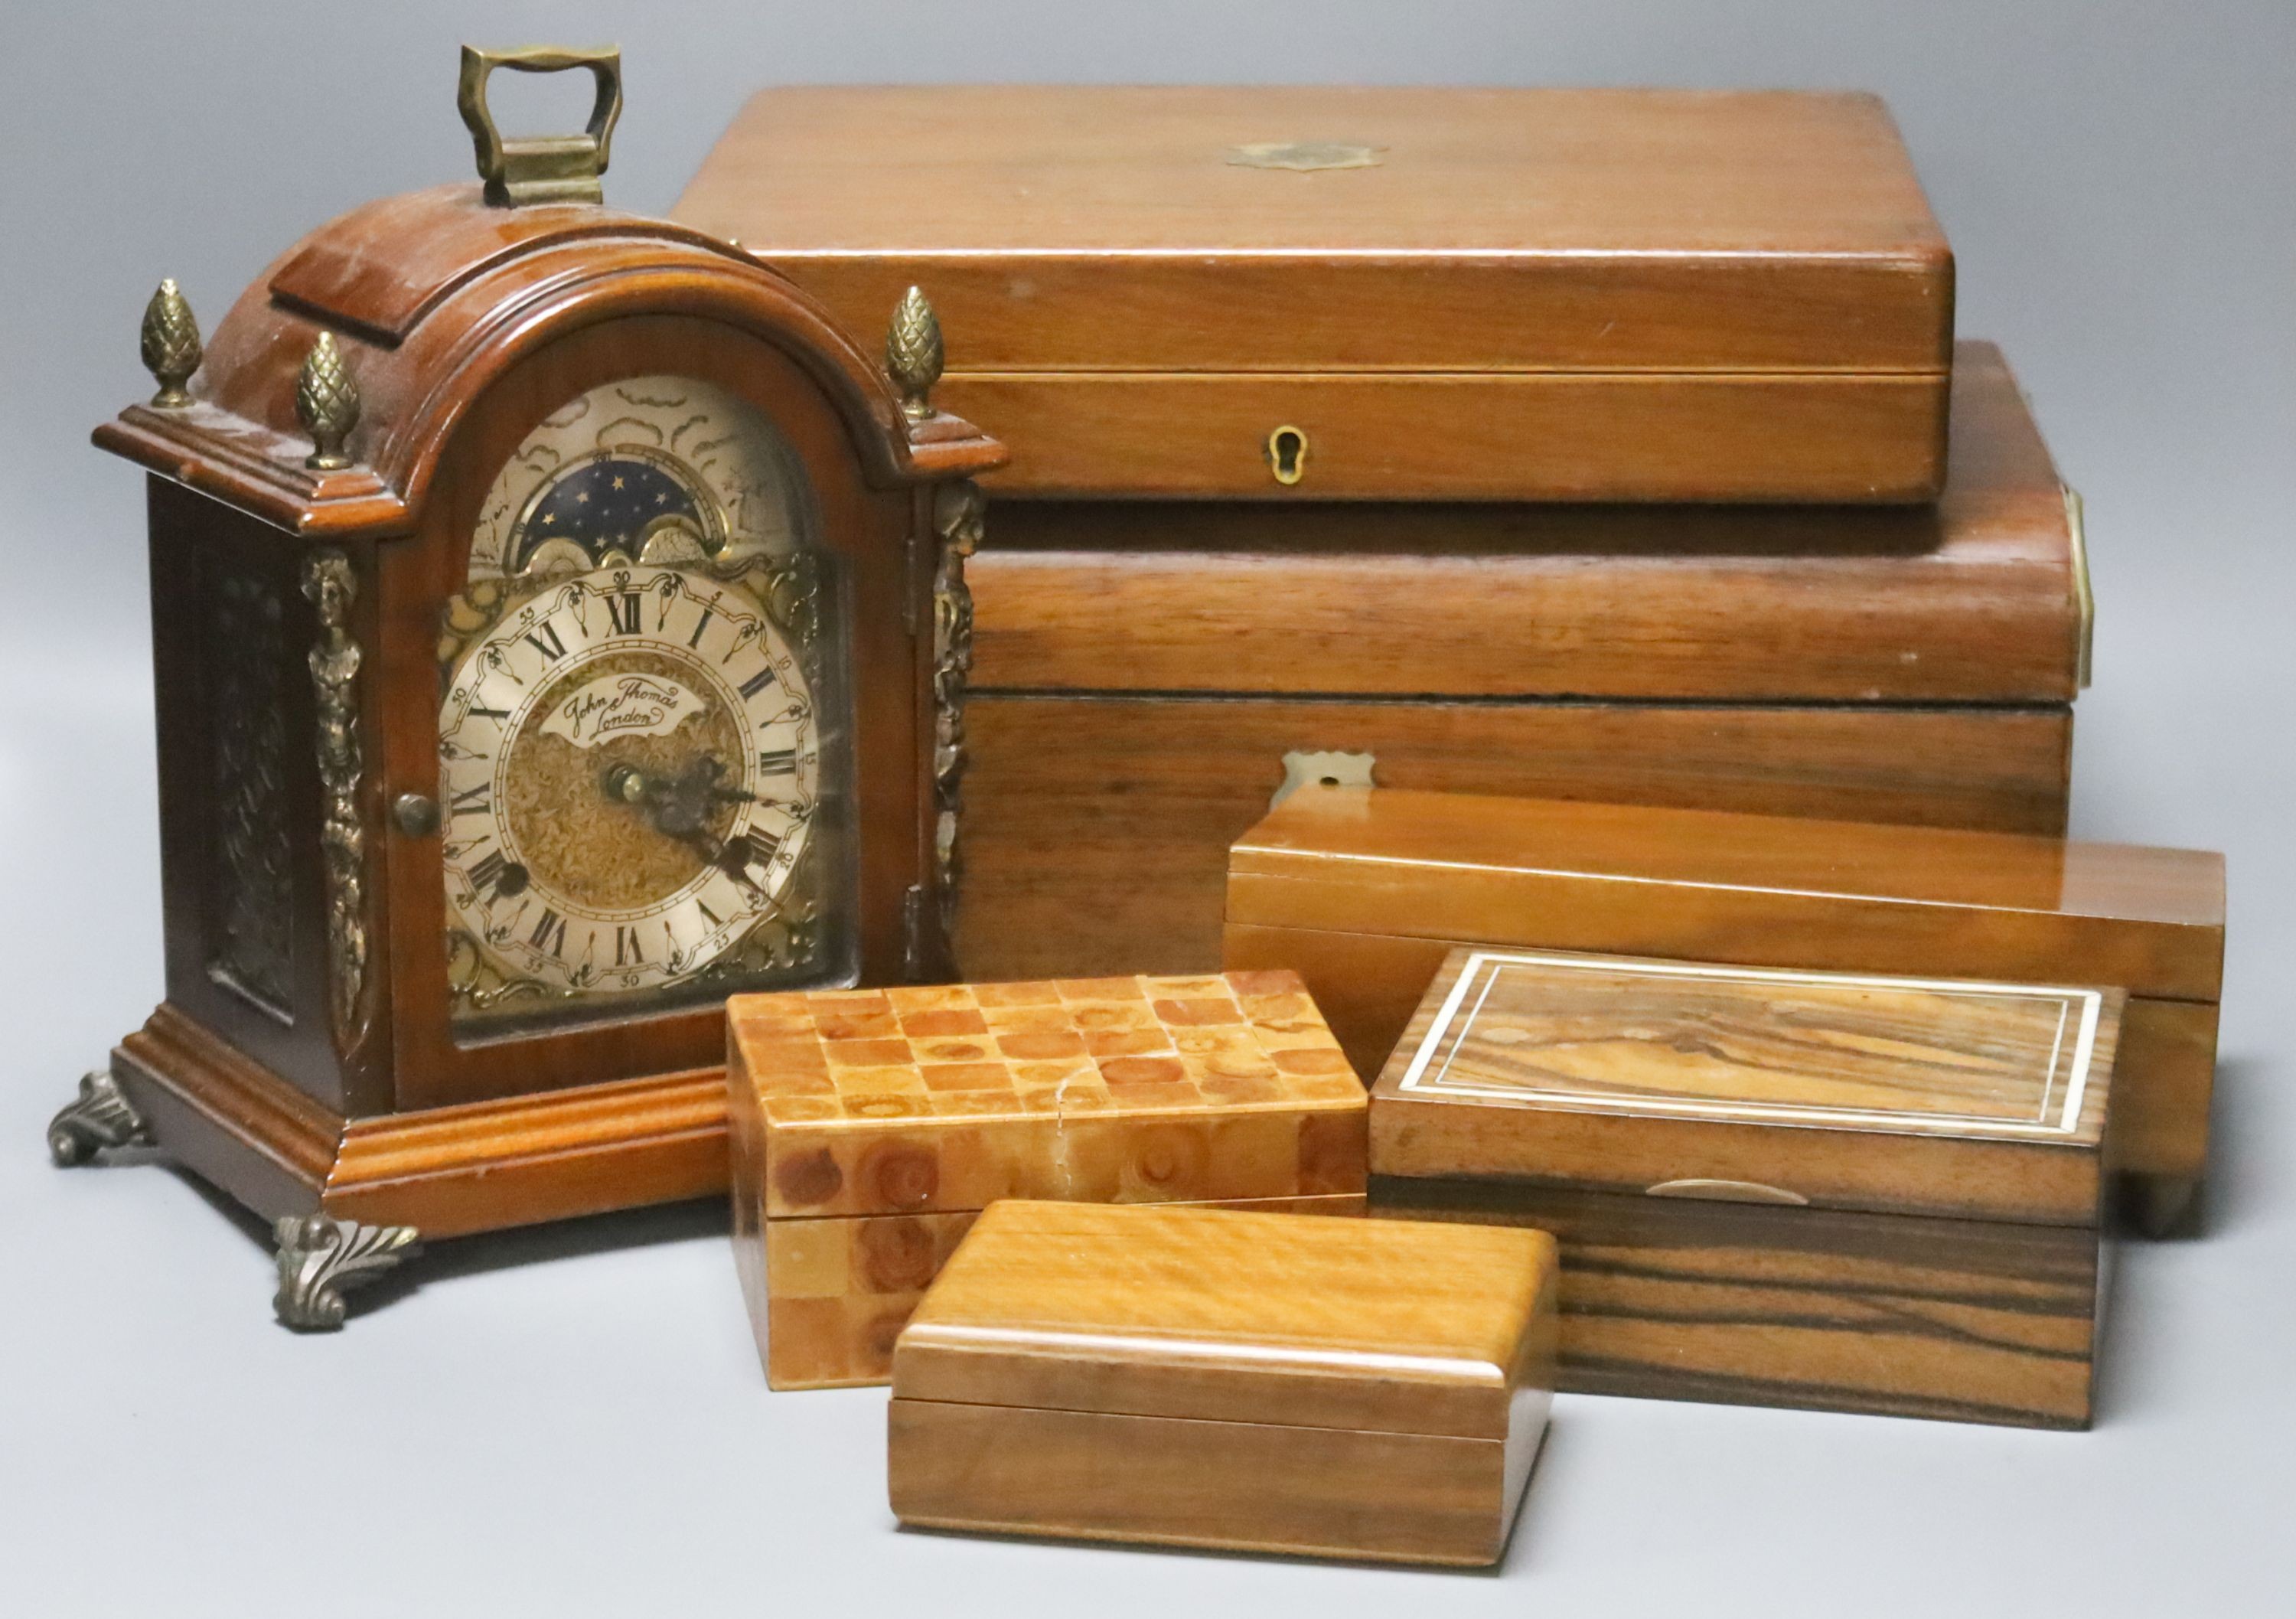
point(559, 625)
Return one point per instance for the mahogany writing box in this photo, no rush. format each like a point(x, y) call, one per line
point(1776, 1188)
point(1363, 894)
point(1298, 292)
point(871, 1127)
point(1142, 669)
point(1348, 1387)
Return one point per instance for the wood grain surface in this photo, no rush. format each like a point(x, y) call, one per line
point(1620, 294)
point(1756, 890)
point(1163, 1312)
point(1369, 984)
point(549, 1155)
point(1279, 1383)
point(1503, 437)
point(1626, 1038)
point(925, 1099)
point(448, 1171)
point(1142, 666)
point(1548, 203)
point(445, 262)
point(1070, 800)
point(1974, 599)
point(828, 1297)
point(1829, 1090)
point(869, 1128)
point(1364, 894)
point(1234, 1486)
point(199, 548)
point(1970, 1320)
point(2163, 1087)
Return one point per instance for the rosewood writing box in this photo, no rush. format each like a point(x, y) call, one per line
point(1775, 1188)
point(1296, 292)
point(871, 1127)
point(1363, 894)
point(1344, 1387)
point(1142, 668)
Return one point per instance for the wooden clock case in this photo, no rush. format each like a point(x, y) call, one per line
point(302, 1060)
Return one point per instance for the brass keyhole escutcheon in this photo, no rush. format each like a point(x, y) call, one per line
point(1287, 455)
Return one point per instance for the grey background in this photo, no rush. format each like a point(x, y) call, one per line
point(572, 1420)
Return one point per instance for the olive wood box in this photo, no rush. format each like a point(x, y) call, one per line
point(1363, 894)
point(1339, 1387)
point(1300, 292)
point(1142, 669)
point(1840, 1191)
point(871, 1127)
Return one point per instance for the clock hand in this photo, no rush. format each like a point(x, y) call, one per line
point(680, 807)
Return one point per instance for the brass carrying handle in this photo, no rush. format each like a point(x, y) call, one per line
point(548, 167)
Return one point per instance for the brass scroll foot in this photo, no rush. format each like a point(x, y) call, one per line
point(319, 1257)
point(100, 1118)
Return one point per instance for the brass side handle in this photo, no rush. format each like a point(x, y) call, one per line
point(1726, 1191)
point(2084, 593)
point(548, 168)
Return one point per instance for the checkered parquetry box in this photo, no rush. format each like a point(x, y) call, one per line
point(870, 1126)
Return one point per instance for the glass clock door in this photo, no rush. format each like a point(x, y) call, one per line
point(645, 732)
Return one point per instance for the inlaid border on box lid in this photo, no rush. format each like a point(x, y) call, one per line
point(2058, 1115)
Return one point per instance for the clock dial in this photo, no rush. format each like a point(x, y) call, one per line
point(641, 739)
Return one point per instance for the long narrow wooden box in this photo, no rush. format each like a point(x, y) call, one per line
point(1341, 1388)
point(1775, 1188)
point(871, 1128)
point(1142, 669)
point(1363, 894)
point(1436, 294)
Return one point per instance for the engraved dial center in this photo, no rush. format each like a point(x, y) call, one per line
point(629, 761)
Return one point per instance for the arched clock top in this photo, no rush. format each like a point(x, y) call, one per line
point(559, 625)
point(431, 297)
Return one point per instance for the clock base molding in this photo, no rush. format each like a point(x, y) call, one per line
point(443, 1172)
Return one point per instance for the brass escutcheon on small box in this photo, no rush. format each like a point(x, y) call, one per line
point(1726, 1191)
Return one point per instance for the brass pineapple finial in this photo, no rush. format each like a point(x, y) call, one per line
point(913, 353)
point(171, 346)
point(327, 403)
